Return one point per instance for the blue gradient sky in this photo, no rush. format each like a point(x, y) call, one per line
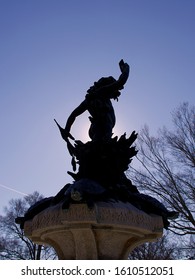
point(51, 51)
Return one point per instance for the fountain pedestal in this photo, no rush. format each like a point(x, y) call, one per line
point(111, 230)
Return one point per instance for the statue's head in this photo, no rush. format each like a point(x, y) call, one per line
point(105, 81)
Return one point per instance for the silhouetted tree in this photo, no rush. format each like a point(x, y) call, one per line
point(13, 244)
point(168, 167)
point(159, 250)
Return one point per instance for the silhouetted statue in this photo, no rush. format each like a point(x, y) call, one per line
point(103, 160)
point(98, 103)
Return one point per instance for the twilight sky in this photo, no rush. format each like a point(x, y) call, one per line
point(51, 52)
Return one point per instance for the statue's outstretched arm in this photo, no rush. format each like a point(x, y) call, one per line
point(78, 111)
point(118, 84)
point(124, 67)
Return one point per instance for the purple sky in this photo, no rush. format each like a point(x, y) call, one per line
point(51, 52)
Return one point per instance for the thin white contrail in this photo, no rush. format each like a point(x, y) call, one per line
point(11, 189)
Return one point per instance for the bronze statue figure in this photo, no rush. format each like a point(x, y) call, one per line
point(103, 160)
point(98, 103)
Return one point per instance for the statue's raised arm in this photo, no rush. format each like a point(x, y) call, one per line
point(108, 87)
point(124, 67)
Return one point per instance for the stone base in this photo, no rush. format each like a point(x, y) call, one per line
point(108, 231)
